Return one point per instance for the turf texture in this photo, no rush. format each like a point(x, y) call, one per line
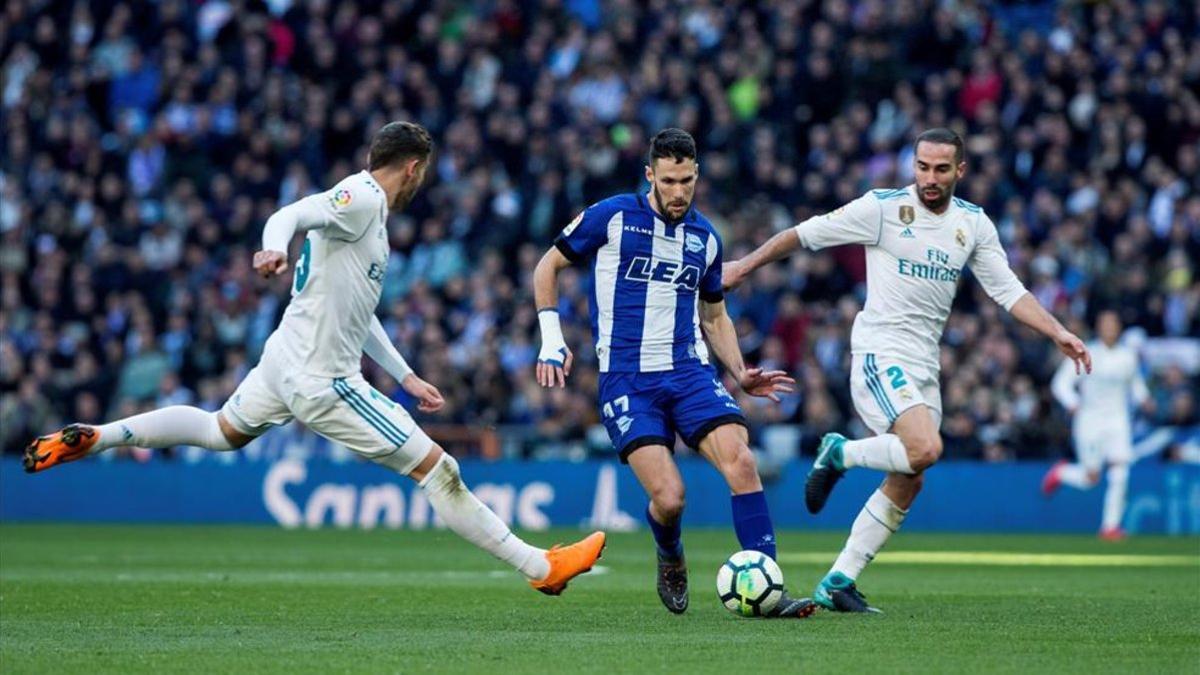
point(246, 599)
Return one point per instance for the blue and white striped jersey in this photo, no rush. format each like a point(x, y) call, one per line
point(646, 279)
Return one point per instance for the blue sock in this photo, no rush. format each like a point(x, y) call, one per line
point(666, 537)
point(752, 522)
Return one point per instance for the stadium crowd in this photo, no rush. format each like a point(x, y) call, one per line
point(145, 143)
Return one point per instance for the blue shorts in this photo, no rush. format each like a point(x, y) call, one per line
point(641, 409)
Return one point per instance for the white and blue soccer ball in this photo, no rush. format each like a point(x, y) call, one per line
point(749, 583)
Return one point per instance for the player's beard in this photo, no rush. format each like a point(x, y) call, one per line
point(940, 201)
point(662, 208)
point(404, 196)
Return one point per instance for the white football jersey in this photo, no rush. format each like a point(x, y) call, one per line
point(914, 260)
point(1102, 398)
point(338, 279)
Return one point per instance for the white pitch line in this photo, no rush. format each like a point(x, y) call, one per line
point(1002, 558)
point(596, 570)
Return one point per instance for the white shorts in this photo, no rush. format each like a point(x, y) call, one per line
point(883, 387)
point(345, 410)
point(1097, 444)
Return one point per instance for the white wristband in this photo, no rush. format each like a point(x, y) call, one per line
point(554, 346)
point(551, 328)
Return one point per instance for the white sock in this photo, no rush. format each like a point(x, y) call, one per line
point(164, 428)
point(884, 452)
point(1114, 496)
point(1075, 475)
point(472, 520)
point(877, 521)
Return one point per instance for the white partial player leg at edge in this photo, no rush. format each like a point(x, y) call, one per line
point(884, 452)
point(164, 428)
point(1114, 496)
point(1076, 476)
point(878, 520)
point(472, 520)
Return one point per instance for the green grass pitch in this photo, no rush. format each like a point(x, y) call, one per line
point(245, 599)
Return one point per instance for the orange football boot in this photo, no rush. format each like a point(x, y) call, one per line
point(568, 562)
point(68, 445)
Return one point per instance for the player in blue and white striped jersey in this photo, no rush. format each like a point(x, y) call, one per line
point(656, 298)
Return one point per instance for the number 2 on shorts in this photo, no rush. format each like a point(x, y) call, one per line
point(897, 376)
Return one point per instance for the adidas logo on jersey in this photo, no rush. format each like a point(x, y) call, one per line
point(907, 234)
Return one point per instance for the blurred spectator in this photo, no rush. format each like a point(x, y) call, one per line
point(144, 144)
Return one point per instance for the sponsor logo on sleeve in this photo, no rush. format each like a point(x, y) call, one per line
point(340, 199)
point(572, 225)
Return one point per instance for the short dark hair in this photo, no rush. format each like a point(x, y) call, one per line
point(671, 142)
point(398, 141)
point(943, 137)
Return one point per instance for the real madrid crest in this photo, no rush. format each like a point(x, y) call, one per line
point(960, 237)
point(907, 215)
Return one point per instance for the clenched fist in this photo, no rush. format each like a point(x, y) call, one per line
point(270, 263)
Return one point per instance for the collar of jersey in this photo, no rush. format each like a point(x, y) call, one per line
point(374, 182)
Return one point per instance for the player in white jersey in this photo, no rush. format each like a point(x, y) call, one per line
point(310, 368)
point(917, 239)
point(1100, 406)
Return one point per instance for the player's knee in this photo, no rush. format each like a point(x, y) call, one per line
point(668, 501)
point(233, 438)
point(1118, 473)
point(924, 452)
point(742, 471)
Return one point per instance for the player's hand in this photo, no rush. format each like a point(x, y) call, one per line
point(429, 399)
point(270, 263)
point(554, 365)
point(768, 383)
point(1074, 349)
point(732, 274)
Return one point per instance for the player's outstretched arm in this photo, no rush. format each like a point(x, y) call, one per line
point(306, 214)
point(1030, 312)
point(722, 336)
point(859, 222)
point(554, 359)
point(381, 350)
point(777, 247)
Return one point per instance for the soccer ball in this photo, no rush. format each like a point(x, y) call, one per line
point(749, 583)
